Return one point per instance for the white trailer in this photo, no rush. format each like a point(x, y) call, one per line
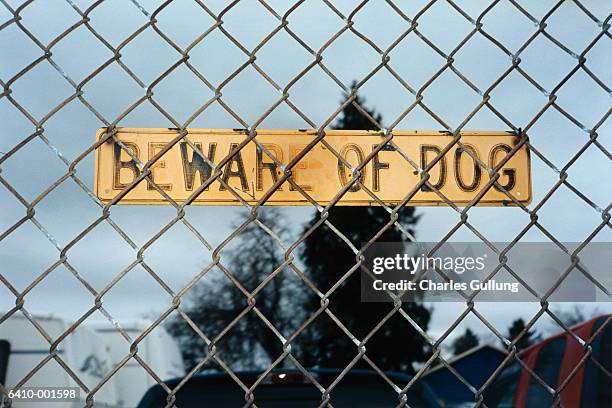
point(24, 348)
point(158, 350)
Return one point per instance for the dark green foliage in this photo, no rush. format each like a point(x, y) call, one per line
point(327, 258)
point(465, 342)
point(515, 330)
point(287, 302)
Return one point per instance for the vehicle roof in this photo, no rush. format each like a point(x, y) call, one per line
point(325, 376)
point(319, 373)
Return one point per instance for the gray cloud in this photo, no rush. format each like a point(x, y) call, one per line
point(177, 256)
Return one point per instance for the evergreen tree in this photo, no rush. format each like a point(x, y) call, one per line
point(465, 342)
point(327, 257)
point(515, 329)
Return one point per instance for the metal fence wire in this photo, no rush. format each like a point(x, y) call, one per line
point(317, 59)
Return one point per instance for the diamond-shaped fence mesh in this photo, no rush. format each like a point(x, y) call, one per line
point(74, 65)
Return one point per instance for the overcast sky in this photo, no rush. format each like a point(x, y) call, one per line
point(177, 255)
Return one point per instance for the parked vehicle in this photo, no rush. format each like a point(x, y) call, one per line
point(290, 388)
point(553, 360)
point(158, 349)
point(22, 348)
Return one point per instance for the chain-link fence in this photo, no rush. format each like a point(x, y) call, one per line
point(590, 138)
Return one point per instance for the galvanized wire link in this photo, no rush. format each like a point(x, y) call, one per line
point(317, 60)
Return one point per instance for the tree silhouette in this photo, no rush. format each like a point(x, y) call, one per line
point(327, 257)
point(216, 301)
point(515, 329)
point(465, 342)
